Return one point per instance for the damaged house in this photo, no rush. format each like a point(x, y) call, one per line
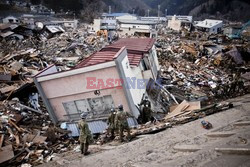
point(177, 23)
point(117, 74)
point(210, 26)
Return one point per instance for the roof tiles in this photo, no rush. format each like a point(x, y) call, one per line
point(135, 47)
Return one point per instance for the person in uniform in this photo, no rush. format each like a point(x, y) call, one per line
point(121, 122)
point(85, 134)
point(146, 111)
point(111, 123)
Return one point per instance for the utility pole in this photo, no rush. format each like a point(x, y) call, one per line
point(109, 9)
point(133, 11)
point(148, 12)
point(166, 12)
point(159, 9)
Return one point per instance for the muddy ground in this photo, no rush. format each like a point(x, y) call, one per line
point(184, 145)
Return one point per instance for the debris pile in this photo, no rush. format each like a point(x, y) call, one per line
point(26, 134)
point(64, 50)
point(202, 70)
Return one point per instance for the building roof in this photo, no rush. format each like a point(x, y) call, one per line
point(141, 22)
point(181, 18)
point(134, 44)
point(6, 26)
point(135, 47)
point(97, 58)
point(10, 17)
point(6, 34)
point(55, 29)
point(208, 23)
point(114, 14)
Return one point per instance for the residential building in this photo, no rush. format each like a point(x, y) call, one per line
point(7, 30)
point(210, 26)
point(232, 30)
point(155, 19)
point(119, 16)
point(117, 74)
point(41, 9)
point(66, 23)
point(181, 18)
point(105, 24)
point(177, 23)
point(11, 19)
point(137, 27)
point(28, 19)
point(109, 22)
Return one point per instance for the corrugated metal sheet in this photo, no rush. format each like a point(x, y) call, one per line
point(96, 126)
point(73, 127)
point(132, 122)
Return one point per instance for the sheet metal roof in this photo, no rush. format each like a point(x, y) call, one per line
point(141, 22)
point(96, 126)
point(6, 34)
point(114, 14)
point(97, 58)
point(135, 47)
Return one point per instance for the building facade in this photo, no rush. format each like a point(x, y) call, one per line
point(210, 26)
point(117, 74)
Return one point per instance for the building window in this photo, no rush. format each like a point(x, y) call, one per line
point(98, 107)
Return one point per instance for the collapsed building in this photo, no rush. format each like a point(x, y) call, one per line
point(117, 74)
point(178, 22)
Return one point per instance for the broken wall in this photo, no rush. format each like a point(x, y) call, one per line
point(175, 25)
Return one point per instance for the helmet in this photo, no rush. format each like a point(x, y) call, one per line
point(112, 110)
point(84, 115)
point(146, 97)
point(120, 107)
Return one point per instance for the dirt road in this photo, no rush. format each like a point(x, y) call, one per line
point(185, 145)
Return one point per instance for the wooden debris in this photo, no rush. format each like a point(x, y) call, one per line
point(34, 138)
point(6, 153)
point(178, 110)
point(7, 89)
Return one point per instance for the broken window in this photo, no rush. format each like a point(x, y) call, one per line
point(96, 107)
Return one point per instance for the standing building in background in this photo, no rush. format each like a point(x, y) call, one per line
point(210, 26)
point(11, 20)
point(177, 23)
point(138, 28)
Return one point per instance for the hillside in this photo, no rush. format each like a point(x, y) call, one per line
point(200, 9)
point(233, 10)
